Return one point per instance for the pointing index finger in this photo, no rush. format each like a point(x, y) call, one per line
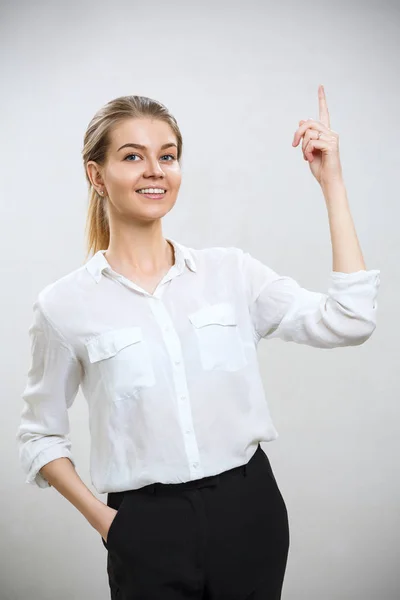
point(323, 107)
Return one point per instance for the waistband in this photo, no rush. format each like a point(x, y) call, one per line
point(212, 480)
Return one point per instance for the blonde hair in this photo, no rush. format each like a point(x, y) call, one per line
point(95, 147)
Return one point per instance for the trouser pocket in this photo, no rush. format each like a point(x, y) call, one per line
point(114, 500)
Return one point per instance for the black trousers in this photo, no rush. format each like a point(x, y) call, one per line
point(224, 537)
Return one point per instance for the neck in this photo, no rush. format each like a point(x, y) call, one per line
point(144, 257)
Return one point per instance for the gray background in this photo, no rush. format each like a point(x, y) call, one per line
point(238, 76)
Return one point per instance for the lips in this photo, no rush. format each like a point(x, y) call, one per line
point(153, 196)
point(138, 190)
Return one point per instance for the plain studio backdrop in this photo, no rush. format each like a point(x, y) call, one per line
point(238, 76)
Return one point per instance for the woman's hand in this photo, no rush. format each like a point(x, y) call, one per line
point(104, 522)
point(320, 145)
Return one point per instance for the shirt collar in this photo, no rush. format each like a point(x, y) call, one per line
point(98, 262)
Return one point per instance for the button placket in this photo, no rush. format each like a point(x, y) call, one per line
point(174, 350)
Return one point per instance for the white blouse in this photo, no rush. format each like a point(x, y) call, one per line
point(172, 379)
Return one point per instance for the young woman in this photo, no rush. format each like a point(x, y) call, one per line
point(163, 340)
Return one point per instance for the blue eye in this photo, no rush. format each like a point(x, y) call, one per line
point(171, 155)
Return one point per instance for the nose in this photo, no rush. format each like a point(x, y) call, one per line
point(153, 168)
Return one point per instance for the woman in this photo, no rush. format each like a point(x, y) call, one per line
point(163, 340)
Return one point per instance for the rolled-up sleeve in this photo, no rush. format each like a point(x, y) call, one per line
point(52, 384)
point(281, 308)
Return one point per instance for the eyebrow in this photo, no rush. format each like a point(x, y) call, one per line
point(140, 147)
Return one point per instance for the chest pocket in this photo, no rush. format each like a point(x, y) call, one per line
point(123, 360)
point(218, 337)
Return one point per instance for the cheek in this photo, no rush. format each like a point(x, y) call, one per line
point(115, 177)
point(176, 182)
point(175, 176)
point(122, 175)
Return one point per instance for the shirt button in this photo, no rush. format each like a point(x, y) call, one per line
point(183, 397)
point(195, 464)
point(177, 362)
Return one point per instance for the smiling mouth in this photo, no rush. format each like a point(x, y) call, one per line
point(154, 196)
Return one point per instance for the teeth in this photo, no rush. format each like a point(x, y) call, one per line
point(151, 191)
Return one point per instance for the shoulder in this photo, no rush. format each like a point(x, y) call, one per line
point(64, 287)
point(220, 256)
point(58, 300)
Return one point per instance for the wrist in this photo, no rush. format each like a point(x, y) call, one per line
point(94, 512)
point(333, 186)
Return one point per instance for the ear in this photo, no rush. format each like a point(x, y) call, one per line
point(94, 174)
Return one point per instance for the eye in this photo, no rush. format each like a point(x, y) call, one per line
point(171, 155)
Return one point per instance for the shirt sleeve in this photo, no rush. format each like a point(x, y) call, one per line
point(52, 384)
point(281, 308)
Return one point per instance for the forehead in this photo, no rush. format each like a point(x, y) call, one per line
point(145, 131)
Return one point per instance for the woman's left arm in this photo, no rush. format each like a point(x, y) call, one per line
point(279, 306)
point(346, 251)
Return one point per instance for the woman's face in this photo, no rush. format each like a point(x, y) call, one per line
point(129, 168)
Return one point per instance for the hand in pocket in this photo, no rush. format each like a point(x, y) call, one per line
point(106, 522)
